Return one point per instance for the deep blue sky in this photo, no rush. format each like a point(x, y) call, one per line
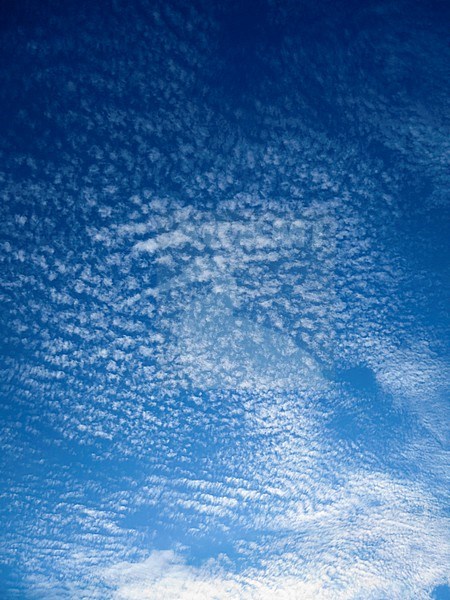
point(224, 250)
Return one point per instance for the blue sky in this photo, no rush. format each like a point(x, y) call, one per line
point(224, 240)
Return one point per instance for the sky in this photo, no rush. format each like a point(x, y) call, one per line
point(224, 265)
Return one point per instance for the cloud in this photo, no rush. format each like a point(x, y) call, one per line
point(417, 379)
point(162, 242)
point(393, 553)
point(186, 267)
point(165, 576)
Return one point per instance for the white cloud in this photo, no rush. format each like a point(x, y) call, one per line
point(418, 381)
point(161, 242)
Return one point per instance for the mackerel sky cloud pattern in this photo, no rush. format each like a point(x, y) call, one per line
point(224, 242)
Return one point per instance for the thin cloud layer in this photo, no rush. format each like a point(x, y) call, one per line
point(224, 301)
